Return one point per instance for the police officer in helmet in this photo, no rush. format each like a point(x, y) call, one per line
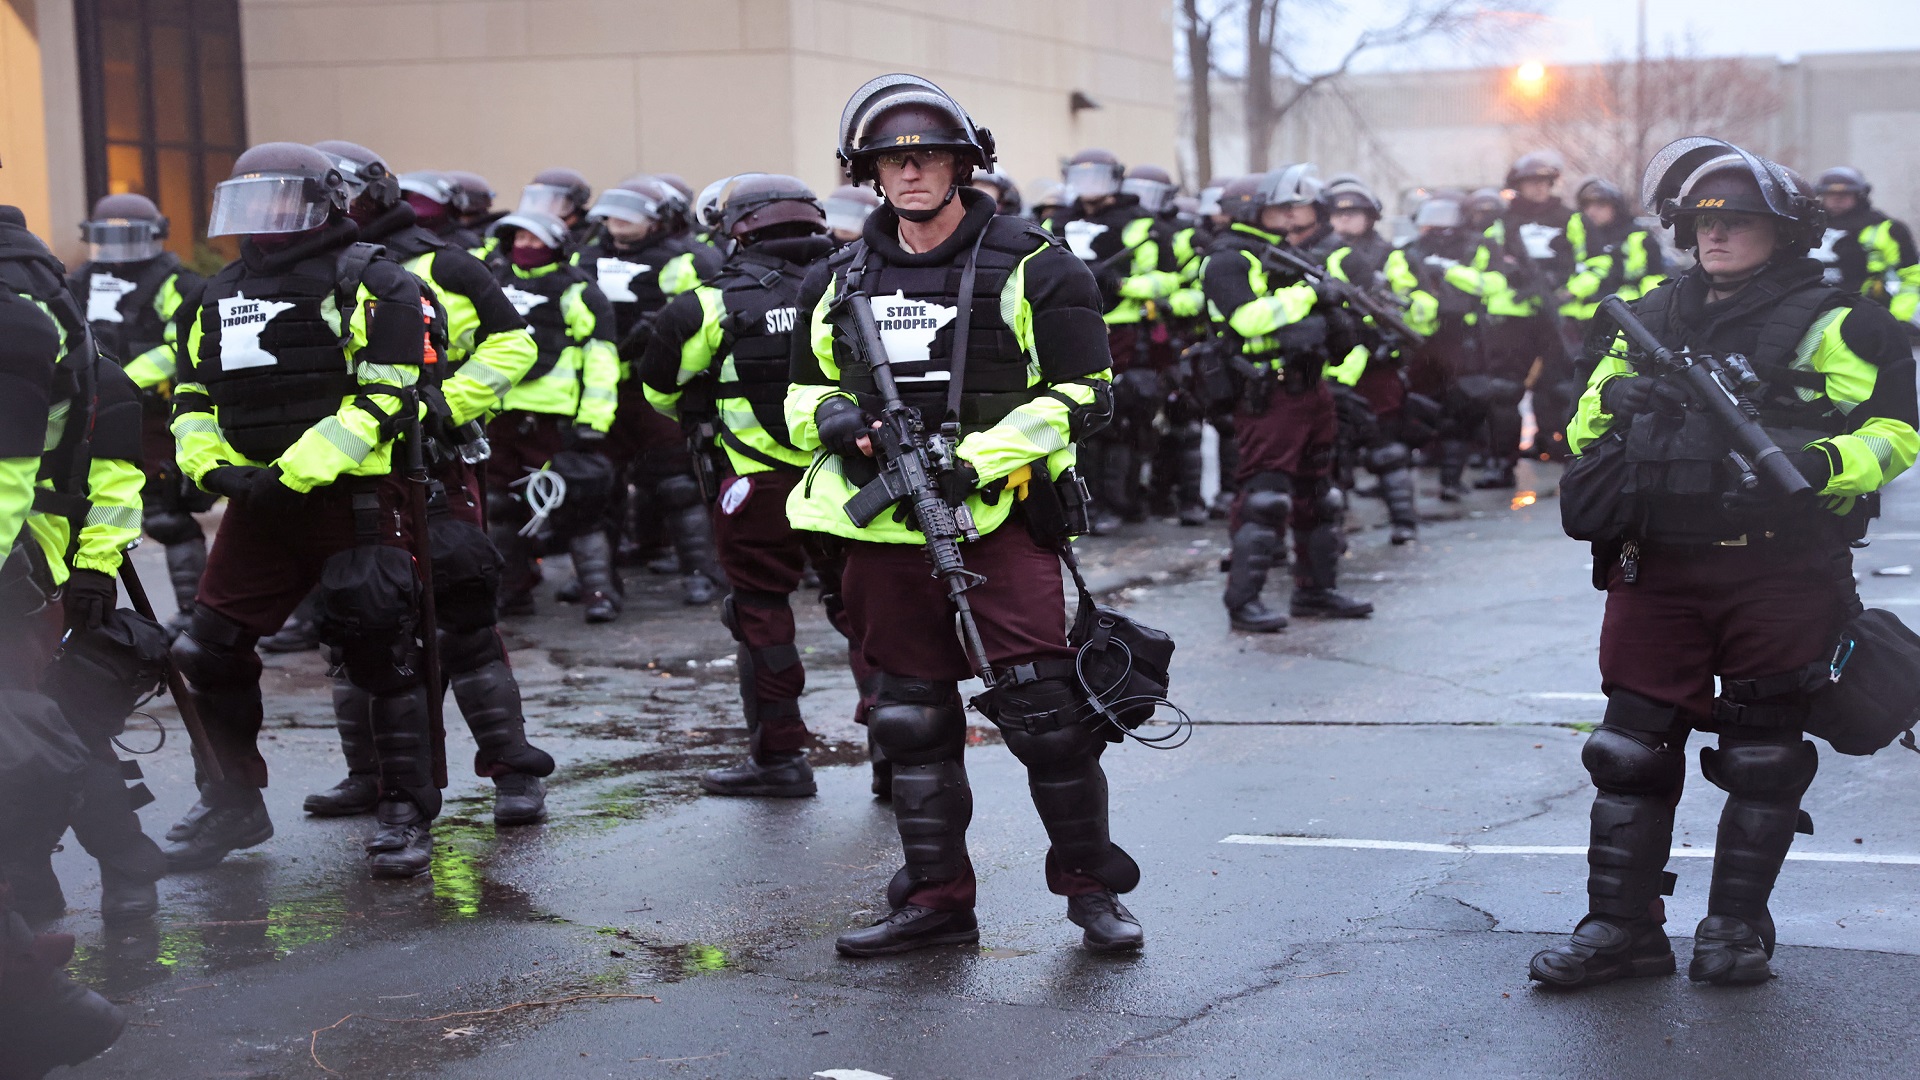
point(1866, 251)
point(1712, 579)
point(294, 416)
point(131, 288)
point(1030, 380)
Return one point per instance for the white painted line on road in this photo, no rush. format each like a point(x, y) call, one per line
point(1567, 695)
point(849, 1074)
point(1540, 849)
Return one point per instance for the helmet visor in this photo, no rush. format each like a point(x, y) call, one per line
point(1209, 201)
point(258, 205)
point(545, 228)
point(1091, 180)
point(846, 215)
point(118, 240)
point(428, 185)
point(628, 206)
point(1154, 196)
point(1437, 214)
point(545, 199)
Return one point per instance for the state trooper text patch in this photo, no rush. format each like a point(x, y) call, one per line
point(615, 278)
point(241, 322)
point(1080, 236)
point(907, 326)
point(1538, 239)
point(103, 297)
point(522, 300)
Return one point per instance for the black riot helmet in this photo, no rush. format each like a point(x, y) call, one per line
point(847, 208)
point(1703, 175)
point(636, 199)
point(429, 184)
point(1599, 190)
point(767, 201)
point(1006, 193)
point(1092, 173)
point(899, 112)
point(560, 192)
point(473, 195)
point(1538, 165)
point(1295, 185)
point(1484, 207)
point(123, 229)
point(365, 172)
point(1241, 199)
point(1844, 180)
point(1152, 185)
point(1348, 193)
point(276, 188)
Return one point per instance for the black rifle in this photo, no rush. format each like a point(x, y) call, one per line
point(1718, 386)
point(418, 486)
point(1385, 315)
point(177, 686)
point(910, 461)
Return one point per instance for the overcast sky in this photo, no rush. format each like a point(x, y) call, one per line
point(1574, 31)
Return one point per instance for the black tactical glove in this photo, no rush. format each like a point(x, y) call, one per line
point(88, 596)
point(1633, 395)
point(267, 495)
point(841, 424)
point(232, 481)
point(1815, 463)
point(958, 482)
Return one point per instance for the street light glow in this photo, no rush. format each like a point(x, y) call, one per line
point(1530, 73)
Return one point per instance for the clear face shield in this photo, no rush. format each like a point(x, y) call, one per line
point(846, 215)
point(620, 204)
point(1090, 181)
point(545, 199)
point(259, 205)
point(121, 240)
point(1154, 196)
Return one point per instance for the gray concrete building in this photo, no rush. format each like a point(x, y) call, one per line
point(157, 96)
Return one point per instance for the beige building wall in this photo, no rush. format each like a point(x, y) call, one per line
point(42, 162)
point(706, 89)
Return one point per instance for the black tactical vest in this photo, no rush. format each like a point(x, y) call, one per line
point(994, 376)
point(272, 362)
point(139, 328)
point(542, 309)
point(1097, 238)
point(760, 292)
point(630, 280)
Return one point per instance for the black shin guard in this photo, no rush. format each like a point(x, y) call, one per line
point(489, 699)
point(404, 746)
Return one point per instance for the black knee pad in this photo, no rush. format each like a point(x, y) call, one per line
point(369, 605)
point(171, 526)
point(677, 492)
point(216, 653)
point(469, 650)
point(1268, 508)
point(1268, 481)
point(917, 721)
point(466, 575)
point(590, 482)
point(1622, 762)
point(1392, 457)
point(1761, 771)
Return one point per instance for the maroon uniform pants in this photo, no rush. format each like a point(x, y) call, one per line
point(1295, 437)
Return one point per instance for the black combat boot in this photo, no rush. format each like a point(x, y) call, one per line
point(236, 817)
point(1764, 782)
point(908, 928)
point(1109, 926)
point(518, 799)
point(1453, 469)
point(593, 562)
point(1314, 595)
point(402, 845)
point(1605, 948)
point(358, 793)
point(692, 530)
point(786, 776)
point(1254, 548)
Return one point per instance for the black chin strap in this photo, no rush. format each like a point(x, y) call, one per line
point(919, 217)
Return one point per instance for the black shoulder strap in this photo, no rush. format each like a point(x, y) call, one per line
point(962, 323)
point(148, 284)
point(1792, 316)
point(348, 271)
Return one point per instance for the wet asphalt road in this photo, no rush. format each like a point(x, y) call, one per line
point(694, 934)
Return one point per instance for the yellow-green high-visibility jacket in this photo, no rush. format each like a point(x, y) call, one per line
point(131, 309)
point(1867, 252)
point(1035, 376)
point(489, 348)
point(1133, 286)
point(1848, 368)
point(1450, 279)
point(578, 370)
point(278, 376)
point(1246, 302)
point(1188, 300)
point(31, 349)
point(730, 344)
point(1604, 266)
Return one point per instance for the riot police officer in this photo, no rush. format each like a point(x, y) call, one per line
point(1006, 193)
point(641, 256)
point(1534, 234)
point(1713, 579)
point(294, 416)
point(1276, 329)
point(1361, 259)
point(1109, 230)
point(74, 490)
point(132, 288)
point(472, 209)
point(847, 209)
point(1866, 251)
point(717, 361)
point(558, 415)
point(985, 318)
point(563, 193)
point(485, 350)
point(1614, 255)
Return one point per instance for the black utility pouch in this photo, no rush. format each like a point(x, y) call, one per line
point(1872, 696)
point(1595, 503)
point(1055, 510)
point(1121, 664)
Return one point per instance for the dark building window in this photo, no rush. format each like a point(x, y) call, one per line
point(164, 111)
